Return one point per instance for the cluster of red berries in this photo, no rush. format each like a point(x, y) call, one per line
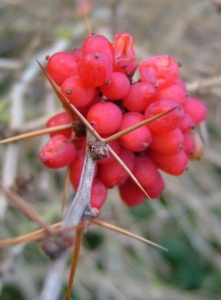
point(98, 80)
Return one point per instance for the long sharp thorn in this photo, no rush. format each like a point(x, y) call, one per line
point(127, 233)
point(35, 133)
point(75, 256)
point(24, 207)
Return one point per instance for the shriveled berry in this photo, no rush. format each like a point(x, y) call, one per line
point(160, 71)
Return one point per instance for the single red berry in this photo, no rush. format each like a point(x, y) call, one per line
point(98, 193)
point(173, 92)
point(196, 109)
point(169, 143)
point(95, 69)
point(172, 164)
point(130, 193)
point(112, 174)
point(76, 92)
point(62, 65)
point(58, 152)
point(140, 95)
point(60, 119)
point(97, 43)
point(168, 122)
point(138, 139)
point(105, 117)
point(117, 87)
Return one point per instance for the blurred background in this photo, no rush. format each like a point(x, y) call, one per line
point(186, 219)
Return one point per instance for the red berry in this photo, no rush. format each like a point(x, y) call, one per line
point(125, 57)
point(60, 119)
point(62, 65)
point(172, 164)
point(187, 123)
point(58, 152)
point(189, 145)
point(173, 92)
point(130, 193)
point(137, 140)
point(98, 193)
point(112, 174)
point(169, 143)
point(196, 109)
point(105, 117)
point(160, 71)
point(140, 95)
point(95, 69)
point(170, 121)
point(117, 88)
point(145, 171)
point(155, 190)
point(97, 43)
point(76, 92)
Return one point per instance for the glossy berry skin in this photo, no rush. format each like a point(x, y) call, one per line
point(173, 92)
point(140, 95)
point(138, 139)
point(58, 152)
point(130, 193)
point(187, 123)
point(61, 66)
point(145, 171)
point(117, 88)
point(170, 121)
point(161, 71)
point(60, 119)
point(98, 193)
point(196, 109)
point(169, 143)
point(105, 117)
point(76, 92)
point(97, 43)
point(112, 174)
point(95, 69)
point(172, 164)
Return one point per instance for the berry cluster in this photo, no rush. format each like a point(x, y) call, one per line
point(98, 80)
